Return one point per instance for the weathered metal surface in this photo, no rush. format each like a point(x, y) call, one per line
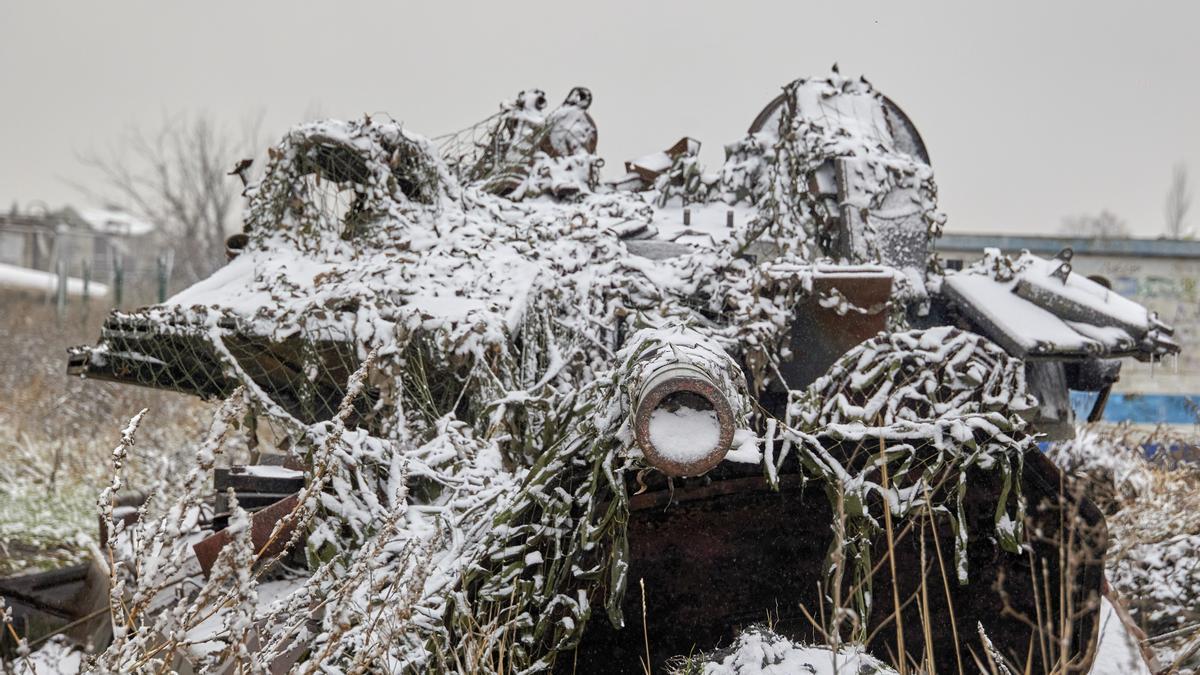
point(718, 555)
point(262, 524)
point(1037, 309)
point(1092, 374)
point(896, 229)
point(672, 380)
point(137, 350)
point(820, 334)
point(50, 592)
point(1097, 412)
point(1053, 415)
point(72, 601)
point(248, 479)
point(1049, 294)
point(254, 491)
point(713, 561)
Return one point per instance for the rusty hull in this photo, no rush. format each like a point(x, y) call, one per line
point(262, 523)
point(719, 555)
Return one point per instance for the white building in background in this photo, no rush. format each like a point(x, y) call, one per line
point(94, 242)
point(1162, 274)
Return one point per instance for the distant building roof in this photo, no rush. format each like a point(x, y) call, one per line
point(115, 221)
point(104, 220)
point(1144, 248)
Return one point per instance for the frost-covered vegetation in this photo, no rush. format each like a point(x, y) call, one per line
point(1153, 513)
point(56, 436)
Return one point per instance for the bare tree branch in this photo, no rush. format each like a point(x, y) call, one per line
point(1105, 225)
point(1179, 200)
point(176, 177)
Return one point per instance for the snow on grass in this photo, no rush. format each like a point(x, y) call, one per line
point(56, 657)
point(56, 434)
point(760, 651)
point(1153, 518)
point(42, 527)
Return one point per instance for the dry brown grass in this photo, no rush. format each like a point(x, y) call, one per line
point(57, 433)
point(1153, 518)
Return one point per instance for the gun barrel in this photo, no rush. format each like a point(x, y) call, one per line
point(683, 421)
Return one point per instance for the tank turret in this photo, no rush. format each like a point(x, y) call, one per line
point(754, 389)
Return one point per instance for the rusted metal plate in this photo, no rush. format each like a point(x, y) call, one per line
point(821, 335)
point(262, 523)
point(719, 555)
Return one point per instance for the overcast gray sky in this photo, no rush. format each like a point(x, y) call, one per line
point(1031, 110)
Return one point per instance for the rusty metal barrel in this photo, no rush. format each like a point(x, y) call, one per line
point(682, 420)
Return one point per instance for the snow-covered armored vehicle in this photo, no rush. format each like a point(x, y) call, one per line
point(578, 424)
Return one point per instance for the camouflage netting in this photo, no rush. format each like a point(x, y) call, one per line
point(451, 367)
point(913, 412)
point(816, 129)
point(522, 151)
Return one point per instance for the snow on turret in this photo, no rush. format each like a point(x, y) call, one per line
point(444, 336)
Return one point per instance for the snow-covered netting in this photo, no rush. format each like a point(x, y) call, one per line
point(465, 349)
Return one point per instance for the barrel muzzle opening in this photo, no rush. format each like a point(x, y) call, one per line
point(683, 423)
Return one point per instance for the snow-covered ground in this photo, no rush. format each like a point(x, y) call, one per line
point(57, 656)
point(1117, 652)
point(760, 651)
point(17, 278)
